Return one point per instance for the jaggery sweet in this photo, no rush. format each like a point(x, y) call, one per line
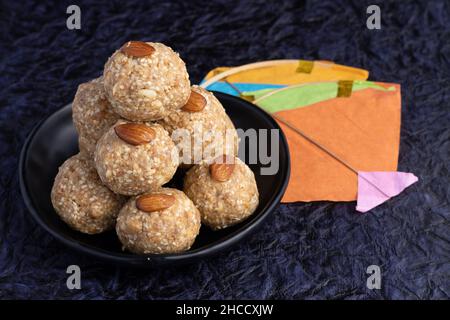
point(163, 221)
point(80, 198)
point(92, 114)
point(145, 81)
point(201, 129)
point(225, 191)
point(133, 158)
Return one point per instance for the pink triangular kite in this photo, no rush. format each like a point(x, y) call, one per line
point(374, 188)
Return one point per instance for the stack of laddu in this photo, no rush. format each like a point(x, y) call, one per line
point(127, 121)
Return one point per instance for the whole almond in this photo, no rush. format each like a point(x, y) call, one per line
point(196, 103)
point(135, 133)
point(155, 202)
point(137, 49)
point(222, 168)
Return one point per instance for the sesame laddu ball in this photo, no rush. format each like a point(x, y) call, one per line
point(80, 198)
point(201, 129)
point(146, 81)
point(133, 158)
point(92, 114)
point(225, 191)
point(164, 221)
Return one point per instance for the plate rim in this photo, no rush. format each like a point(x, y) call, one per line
point(152, 260)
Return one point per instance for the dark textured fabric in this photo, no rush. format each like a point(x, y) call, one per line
point(315, 250)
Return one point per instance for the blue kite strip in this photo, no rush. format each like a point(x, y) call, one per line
point(226, 88)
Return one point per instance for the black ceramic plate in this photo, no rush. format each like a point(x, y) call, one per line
point(54, 140)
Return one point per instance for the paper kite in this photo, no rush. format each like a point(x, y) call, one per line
point(275, 74)
point(343, 137)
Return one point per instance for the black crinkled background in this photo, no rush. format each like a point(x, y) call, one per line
point(306, 250)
